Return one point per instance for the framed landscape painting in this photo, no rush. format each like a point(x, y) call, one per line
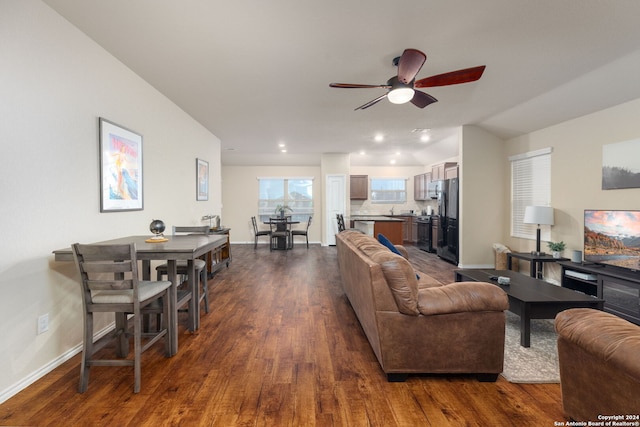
point(621, 165)
point(120, 168)
point(202, 179)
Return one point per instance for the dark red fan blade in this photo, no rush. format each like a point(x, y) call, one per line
point(370, 103)
point(452, 78)
point(356, 86)
point(410, 63)
point(421, 99)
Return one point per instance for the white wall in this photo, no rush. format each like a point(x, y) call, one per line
point(54, 84)
point(482, 187)
point(576, 172)
point(240, 198)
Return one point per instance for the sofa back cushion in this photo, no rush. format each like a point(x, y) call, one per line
point(398, 272)
point(400, 278)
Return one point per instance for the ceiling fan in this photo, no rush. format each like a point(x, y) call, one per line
point(401, 88)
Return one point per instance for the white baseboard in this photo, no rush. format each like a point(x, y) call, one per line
point(44, 370)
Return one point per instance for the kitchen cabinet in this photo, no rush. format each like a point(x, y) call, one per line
point(435, 224)
point(451, 172)
point(359, 187)
point(409, 228)
point(420, 185)
point(406, 229)
point(437, 171)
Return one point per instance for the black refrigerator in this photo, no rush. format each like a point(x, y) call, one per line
point(448, 228)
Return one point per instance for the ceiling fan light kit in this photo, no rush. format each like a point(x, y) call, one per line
point(401, 95)
point(401, 88)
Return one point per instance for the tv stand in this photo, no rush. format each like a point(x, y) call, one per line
point(620, 288)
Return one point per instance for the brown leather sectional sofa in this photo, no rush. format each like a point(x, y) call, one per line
point(599, 357)
point(416, 325)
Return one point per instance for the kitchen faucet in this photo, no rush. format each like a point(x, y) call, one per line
point(392, 210)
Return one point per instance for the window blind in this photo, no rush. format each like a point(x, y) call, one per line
point(530, 185)
point(294, 192)
point(388, 190)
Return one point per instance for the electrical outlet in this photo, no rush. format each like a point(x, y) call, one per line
point(43, 323)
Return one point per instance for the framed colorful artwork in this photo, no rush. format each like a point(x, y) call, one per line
point(202, 179)
point(121, 183)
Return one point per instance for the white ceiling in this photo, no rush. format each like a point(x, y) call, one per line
point(257, 73)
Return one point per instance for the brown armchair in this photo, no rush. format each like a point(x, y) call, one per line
point(599, 356)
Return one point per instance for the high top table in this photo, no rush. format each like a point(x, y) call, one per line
point(176, 248)
point(531, 298)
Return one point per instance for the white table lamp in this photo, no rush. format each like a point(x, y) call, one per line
point(541, 215)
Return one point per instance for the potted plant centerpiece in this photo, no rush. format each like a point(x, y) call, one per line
point(556, 248)
point(281, 209)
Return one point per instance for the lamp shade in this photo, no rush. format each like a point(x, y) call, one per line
point(538, 215)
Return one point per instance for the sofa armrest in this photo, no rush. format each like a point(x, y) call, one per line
point(607, 337)
point(462, 297)
point(403, 251)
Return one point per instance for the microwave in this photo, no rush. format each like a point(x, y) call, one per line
point(433, 189)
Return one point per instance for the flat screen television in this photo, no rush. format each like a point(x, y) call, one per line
point(612, 237)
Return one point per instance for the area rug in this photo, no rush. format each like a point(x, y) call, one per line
point(535, 364)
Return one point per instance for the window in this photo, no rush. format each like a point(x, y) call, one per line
point(297, 193)
point(530, 185)
point(388, 190)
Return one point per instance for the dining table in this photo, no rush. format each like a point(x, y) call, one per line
point(171, 248)
point(282, 224)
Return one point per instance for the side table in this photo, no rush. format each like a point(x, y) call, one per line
point(222, 255)
point(535, 261)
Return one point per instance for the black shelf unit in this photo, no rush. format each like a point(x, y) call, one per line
point(620, 288)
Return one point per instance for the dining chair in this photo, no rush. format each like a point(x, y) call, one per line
point(342, 227)
point(304, 232)
point(280, 229)
point(182, 265)
point(109, 283)
point(257, 233)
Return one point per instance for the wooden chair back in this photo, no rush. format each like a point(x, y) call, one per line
point(107, 269)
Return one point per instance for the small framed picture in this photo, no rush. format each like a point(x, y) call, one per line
point(202, 179)
point(121, 183)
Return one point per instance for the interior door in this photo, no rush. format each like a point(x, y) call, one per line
point(335, 196)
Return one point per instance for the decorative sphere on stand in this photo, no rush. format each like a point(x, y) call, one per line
point(157, 227)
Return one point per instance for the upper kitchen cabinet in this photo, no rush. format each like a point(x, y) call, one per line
point(420, 185)
point(359, 187)
point(438, 171)
point(451, 172)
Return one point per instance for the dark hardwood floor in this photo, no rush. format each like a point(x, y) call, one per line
point(281, 346)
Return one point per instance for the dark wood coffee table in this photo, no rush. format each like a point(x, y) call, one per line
point(531, 298)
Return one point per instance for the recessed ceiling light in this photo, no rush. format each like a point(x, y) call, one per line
point(425, 138)
point(362, 153)
point(282, 144)
point(284, 150)
point(379, 137)
point(393, 161)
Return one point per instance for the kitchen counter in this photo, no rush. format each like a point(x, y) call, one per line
point(380, 218)
point(390, 227)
